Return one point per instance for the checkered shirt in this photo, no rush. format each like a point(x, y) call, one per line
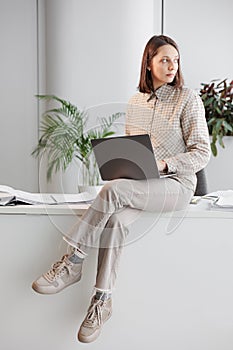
point(175, 120)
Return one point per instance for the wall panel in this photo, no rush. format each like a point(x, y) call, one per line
point(18, 85)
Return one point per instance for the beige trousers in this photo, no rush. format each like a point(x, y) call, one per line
point(106, 223)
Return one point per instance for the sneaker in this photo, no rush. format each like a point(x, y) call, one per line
point(61, 275)
point(98, 313)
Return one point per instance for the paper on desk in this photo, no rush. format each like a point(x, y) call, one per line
point(43, 198)
point(73, 198)
point(6, 199)
point(221, 200)
point(225, 199)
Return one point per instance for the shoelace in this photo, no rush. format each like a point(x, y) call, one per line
point(59, 269)
point(94, 314)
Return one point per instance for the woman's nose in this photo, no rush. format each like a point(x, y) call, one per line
point(171, 66)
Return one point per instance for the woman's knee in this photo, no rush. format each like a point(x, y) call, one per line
point(124, 217)
point(114, 221)
point(113, 188)
point(114, 184)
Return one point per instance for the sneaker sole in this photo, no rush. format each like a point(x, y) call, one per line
point(94, 336)
point(45, 290)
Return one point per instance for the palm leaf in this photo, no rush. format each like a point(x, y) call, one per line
point(63, 137)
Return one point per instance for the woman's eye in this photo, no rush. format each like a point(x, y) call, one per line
point(165, 60)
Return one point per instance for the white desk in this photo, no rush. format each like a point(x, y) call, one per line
point(201, 209)
point(174, 291)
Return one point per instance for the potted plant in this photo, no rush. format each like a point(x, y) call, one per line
point(218, 102)
point(64, 138)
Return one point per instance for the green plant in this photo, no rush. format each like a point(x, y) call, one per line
point(63, 138)
point(217, 98)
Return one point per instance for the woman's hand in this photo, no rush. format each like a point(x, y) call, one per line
point(162, 165)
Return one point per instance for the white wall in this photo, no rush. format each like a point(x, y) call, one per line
point(220, 169)
point(18, 85)
point(100, 44)
point(202, 30)
point(90, 53)
point(93, 55)
point(93, 49)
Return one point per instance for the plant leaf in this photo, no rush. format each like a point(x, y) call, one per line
point(214, 149)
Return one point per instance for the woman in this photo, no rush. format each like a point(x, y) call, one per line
point(174, 118)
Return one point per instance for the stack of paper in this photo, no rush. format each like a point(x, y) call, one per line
point(10, 196)
point(224, 200)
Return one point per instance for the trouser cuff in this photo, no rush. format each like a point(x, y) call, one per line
point(79, 252)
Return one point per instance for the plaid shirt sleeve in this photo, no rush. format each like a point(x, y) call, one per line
point(196, 137)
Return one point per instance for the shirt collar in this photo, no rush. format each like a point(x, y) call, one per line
point(161, 93)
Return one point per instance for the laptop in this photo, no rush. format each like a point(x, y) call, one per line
point(129, 157)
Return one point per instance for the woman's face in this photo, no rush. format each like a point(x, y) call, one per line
point(164, 65)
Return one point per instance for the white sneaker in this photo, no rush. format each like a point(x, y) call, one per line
point(98, 313)
point(61, 275)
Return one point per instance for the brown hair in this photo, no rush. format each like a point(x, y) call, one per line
point(151, 49)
